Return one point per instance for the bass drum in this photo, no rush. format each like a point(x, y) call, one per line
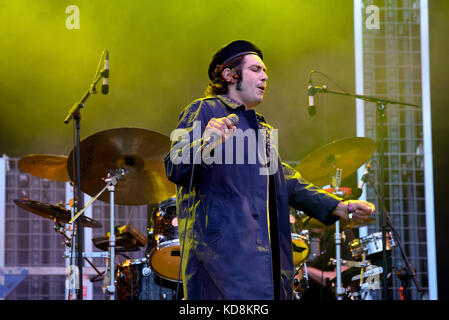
point(164, 257)
point(136, 281)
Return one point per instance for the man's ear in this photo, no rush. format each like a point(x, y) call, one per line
point(228, 75)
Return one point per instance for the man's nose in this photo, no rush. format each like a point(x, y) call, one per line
point(264, 76)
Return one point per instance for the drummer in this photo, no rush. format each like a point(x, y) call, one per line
point(236, 233)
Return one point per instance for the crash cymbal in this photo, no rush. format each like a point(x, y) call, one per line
point(46, 166)
point(139, 151)
point(347, 154)
point(312, 223)
point(52, 212)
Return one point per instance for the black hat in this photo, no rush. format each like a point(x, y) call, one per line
point(231, 51)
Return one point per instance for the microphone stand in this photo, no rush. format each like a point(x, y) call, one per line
point(381, 109)
point(75, 114)
point(410, 271)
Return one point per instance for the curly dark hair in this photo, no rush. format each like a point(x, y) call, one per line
point(218, 85)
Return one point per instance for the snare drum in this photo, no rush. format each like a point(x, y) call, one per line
point(370, 244)
point(165, 255)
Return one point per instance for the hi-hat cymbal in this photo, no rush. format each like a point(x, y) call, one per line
point(140, 152)
point(46, 166)
point(53, 212)
point(347, 154)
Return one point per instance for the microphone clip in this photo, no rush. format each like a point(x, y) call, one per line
point(105, 73)
point(316, 89)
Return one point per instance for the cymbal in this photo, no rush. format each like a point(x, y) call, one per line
point(46, 166)
point(347, 154)
point(312, 223)
point(53, 212)
point(128, 238)
point(139, 151)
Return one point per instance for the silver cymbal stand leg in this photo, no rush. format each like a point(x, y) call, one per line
point(111, 287)
point(336, 181)
point(338, 259)
point(111, 181)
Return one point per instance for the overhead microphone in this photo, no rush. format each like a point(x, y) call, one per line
point(210, 141)
point(363, 180)
point(105, 86)
point(311, 93)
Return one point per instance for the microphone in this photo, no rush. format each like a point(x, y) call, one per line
point(105, 86)
point(363, 180)
point(213, 138)
point(311, 92)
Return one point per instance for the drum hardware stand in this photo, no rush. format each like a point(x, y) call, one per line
point(111, 181)
point(356, 264)
point(349, 263)
point(75, 114)
point(381, 109)
point(362, 269)
point(409, 269)
point(306, 274)
point(336, 181)
point(60, 228)
point(304, 282)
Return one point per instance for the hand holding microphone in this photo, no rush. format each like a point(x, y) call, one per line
point(218, 130)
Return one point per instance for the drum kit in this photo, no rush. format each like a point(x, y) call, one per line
point(128, 162)
point(327, 166)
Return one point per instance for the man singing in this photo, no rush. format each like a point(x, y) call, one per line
point(233, 201)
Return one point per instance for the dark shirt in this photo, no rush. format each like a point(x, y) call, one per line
point(238, 241)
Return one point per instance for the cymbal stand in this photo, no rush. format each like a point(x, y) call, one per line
point(59, 228)
point(336, 181)
point(111, 181)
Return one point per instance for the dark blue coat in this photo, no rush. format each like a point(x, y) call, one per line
point(228, 250)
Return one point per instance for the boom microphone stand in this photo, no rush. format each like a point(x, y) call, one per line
point(381, 109)
point(74, 113)
point(410, 271)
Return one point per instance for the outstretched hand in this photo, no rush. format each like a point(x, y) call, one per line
point(361, 210)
